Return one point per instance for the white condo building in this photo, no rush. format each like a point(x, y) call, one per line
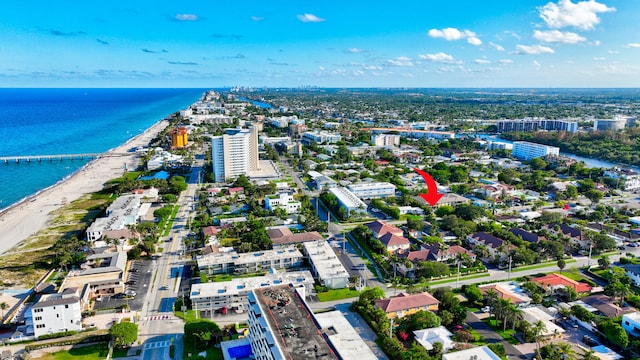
point(627, 178)
point(228, 261)
point(372, 190)
point(385, 140)
point(122, 212)
point(55, 313)
point(525, 150)
point(234, 153)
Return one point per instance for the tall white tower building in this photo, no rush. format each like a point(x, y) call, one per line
point(234, 153)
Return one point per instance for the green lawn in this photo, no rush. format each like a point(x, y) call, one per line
point(338, 294)
point(454, 279)
point(212, 353)
point(188, 316)
point(543, 265)
point(509, 335)
point(97, 352)
point(478, 339)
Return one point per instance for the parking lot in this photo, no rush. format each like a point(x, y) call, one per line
point(137, 280)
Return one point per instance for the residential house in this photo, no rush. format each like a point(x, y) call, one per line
point(527, 236)
point(283, 236)
point(495, 246)
point(379, 228)
point(508, 291)
point(475, 353)
point(428, 337)
point(55, 313)
point(282, 200)
point(439, 252)
point(576, 236)
point(556, 281)
point(633, 272)
point(606, 305)
point(535, 314)
point(631, 323)
point(394, 243)
point(404, 304)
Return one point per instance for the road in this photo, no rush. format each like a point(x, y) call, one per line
point(159, 328)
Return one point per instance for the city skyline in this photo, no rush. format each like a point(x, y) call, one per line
point(503, 43)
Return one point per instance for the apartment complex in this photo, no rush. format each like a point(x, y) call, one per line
point(122, 212)
point(325, 265)
point(234, 153)
point(525, 150)
point(55, 313)
point(529, 125)
point(320, 137)
point(372, 190)
point(179, 137)
point(228, 261)
point(617, 123)
point(233, 295)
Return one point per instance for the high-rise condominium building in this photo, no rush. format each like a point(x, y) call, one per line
point(234, 153)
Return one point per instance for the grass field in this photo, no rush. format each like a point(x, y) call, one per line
point(509, 335)
point(543, 265)
point(338, 294)
point(91, 352)
point(454, 279)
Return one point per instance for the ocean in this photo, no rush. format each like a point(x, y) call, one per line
point(72, 121)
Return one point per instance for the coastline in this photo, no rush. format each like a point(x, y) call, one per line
point(31, 214)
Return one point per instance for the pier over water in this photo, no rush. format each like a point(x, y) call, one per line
point(17, 159)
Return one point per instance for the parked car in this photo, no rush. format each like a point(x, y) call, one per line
point(130, 293)
point(590, 341)
point(486, 309)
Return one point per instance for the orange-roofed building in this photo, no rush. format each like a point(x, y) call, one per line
point(507, 291)
point(556, 280)
point(179, 137)
point(379, 228)
point(404, 304)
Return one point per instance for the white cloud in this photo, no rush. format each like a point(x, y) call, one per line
point(310, 18)
point(614, 52)
point(356, 50)
point(257, 18)
point(533, 50)
point(372, 67)
point(452, 34)
point(186, 17)
point(440, 57)
point(496, 46)
point(599, 58)
point(482, 61)
point(536, 64)
point(633, 45)
point(505, 61)
point(555, 36)
point(596, 43)
point(582, 15)
point(400, 61)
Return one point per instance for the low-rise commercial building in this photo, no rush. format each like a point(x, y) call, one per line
point(228, 261)
point(325, 265)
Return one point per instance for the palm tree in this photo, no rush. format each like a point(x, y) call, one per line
point(502, 312)
point(589, 355)
point(565, 350)
point(3, 306)
point(538, 330)
point(492, 298)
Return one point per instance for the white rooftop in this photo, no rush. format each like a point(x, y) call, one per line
point(477, 353)
point(324, 260)
point(346, 197)
point(344, 337)
point(534, 314)
point(244, 285)
point(427, 337)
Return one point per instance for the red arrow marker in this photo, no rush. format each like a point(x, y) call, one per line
point(432, 197)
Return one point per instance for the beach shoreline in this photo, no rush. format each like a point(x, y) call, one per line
point(28, 216)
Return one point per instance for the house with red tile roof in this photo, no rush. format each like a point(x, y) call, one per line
point(507, 291)
point(395, 243)
point(405, 304)
point(438, 252)
point(379, 228)
point(555, 281)
point(284, 236)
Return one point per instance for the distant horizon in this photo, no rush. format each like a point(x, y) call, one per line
point(310, 87)
point(326, 44)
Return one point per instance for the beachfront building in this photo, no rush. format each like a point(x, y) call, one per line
point(348, 201)
point(207, 298)
point(385, 140)
point(372, 190)
point(525, 150)
point(179, 137)
point(325, 265)
point(234, 153)
point(122, 212)
point(530, 125)
point(55, 313)
point(282, 201)
point(282, 326)
point(228, 261)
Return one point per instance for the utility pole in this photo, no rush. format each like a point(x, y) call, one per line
point(589, 260)
point(509, 278)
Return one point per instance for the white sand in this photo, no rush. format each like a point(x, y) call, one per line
point(32, 215)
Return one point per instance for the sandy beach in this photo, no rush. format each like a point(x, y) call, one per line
point(33, 214)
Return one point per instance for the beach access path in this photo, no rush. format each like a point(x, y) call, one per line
point(26, 218)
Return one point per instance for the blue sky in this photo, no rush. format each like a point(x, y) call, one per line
point(326, 43)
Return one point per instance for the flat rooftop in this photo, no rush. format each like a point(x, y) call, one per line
point(344, 337)
point(324, 259)
point(293, 324)
point(239, 286)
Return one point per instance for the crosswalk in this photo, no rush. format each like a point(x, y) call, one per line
point(157, 344)
point(159, 317)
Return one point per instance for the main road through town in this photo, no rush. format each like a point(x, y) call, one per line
point(159, 328)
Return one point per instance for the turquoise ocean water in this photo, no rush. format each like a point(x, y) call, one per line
point(70, 121)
